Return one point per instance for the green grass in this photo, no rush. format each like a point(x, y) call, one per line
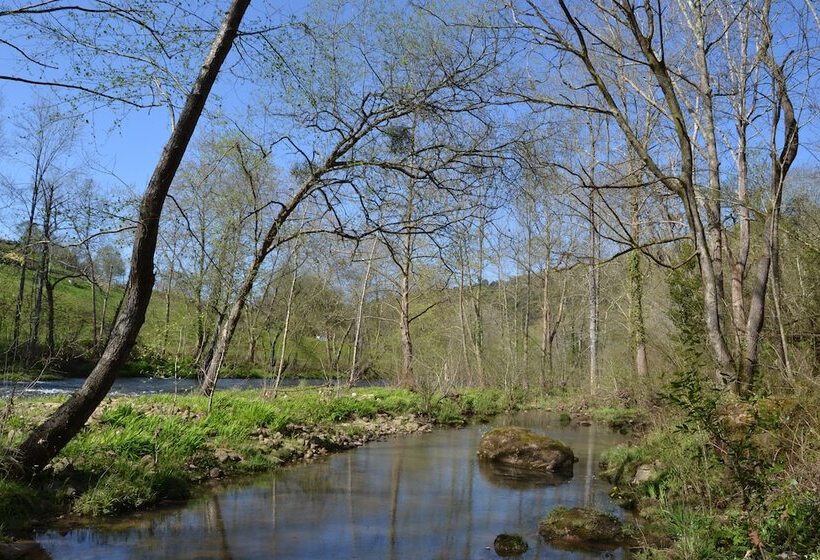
point(693, 505)
point(621, 419)
point(138, 451)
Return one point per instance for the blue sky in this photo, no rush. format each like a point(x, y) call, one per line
point(126, 145)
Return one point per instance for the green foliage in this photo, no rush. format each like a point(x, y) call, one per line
point(485, 403)
point(700, 535)
point(732, 427)
point(19, 502)
point(129, 487)
point(618, 464)
point(617, 418)
point(792, 523)
point(686, 310)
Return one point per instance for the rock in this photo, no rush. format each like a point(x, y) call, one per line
point(522, 448)
point(510, 545)
point(215, 473)
point(582, 528)
point(61, 467)
point(647, 473)
point(226, 455)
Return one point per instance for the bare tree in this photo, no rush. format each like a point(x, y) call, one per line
point(47, 439)
point(350, 134)
point(642, 38)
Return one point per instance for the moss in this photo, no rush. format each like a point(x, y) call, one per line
point(510, 545)
point(582, 528)
point(522, 448)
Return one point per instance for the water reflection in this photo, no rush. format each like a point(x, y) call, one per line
point(515, 478)
point(422, 497)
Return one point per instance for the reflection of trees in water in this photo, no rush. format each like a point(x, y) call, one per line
point(311, 482)
point(588, 494)
point(505, 476)
point(216, 526)
point(395, 480)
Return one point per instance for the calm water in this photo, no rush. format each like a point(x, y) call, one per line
point(415, 497)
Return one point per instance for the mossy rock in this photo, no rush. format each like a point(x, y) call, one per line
point(510, 545)
point(522, 448)
point(583, 529)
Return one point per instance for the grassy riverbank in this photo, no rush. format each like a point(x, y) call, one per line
point(710, 475)
point(139, 451)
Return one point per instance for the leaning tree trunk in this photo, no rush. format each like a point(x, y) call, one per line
point(47, 439)
point(227, 327)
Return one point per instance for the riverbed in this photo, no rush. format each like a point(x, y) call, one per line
point(423, 496)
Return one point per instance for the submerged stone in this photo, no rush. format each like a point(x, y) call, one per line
point(583, 528)
point(522, 448)
point(510, 545)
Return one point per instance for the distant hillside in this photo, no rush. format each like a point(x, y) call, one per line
point(159, 350)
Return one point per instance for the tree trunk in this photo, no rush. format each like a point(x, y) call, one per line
point(592, 281)
point(105, 302)
point(781, 163)
point(26, 248)
point(228, 326)
point(463, 320)
point(406, 371)
point(782, 345)
point(478, 329)
point(42, 272)
point(50, 337)
point(47, 439)
point(637, 326)
point(354, 362)
point(166, 328)
point(94, 319)
point(280, 367)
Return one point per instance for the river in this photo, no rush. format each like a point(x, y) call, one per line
point(149, 385)
point(415, 497)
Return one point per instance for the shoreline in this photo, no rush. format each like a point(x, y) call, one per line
point(142, 452)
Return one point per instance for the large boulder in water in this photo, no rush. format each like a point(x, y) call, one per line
point(583, 529)
point(524, 449)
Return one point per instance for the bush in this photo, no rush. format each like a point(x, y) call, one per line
point(792, 523)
